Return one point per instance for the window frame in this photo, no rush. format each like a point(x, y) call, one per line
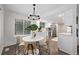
point(23, 27)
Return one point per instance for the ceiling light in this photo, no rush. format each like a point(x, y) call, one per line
point(34, 16)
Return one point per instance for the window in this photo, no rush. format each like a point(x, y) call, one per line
point(69, 29)
point(20, 26)
point(65, 29)
point(77, 32)
point(26, 24)
point(76, 19)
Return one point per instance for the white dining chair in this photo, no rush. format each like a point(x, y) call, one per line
point(45, 43)
point(20, 45)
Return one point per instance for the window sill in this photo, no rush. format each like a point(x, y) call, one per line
point(22, 35)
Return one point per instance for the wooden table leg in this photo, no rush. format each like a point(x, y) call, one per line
point(30, 47)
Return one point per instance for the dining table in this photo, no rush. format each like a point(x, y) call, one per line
point(32, 42)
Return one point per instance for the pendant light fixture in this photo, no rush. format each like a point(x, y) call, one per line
point(34, 16)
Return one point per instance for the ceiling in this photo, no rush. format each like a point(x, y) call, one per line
point(27, 8)
point(46, 11)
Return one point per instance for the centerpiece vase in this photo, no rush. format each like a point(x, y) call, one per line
point(33, 34)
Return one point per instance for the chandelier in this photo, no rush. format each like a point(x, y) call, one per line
point(33, 16)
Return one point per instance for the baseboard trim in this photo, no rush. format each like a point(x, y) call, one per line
point(63, 52)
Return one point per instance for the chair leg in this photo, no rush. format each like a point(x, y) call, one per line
point(25, 50)
point(17, 49)
point(38, 46)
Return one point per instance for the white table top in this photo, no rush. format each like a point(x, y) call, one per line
point(30, 39)
point(39, 37)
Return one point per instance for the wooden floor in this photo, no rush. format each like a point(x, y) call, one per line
point(11, 50)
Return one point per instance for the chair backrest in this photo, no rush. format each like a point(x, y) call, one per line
point(18, 39)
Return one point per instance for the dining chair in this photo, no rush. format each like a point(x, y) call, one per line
point(19, 45)
point(44, 45)
point(36, 48)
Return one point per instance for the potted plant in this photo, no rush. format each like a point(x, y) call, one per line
point(32, 28)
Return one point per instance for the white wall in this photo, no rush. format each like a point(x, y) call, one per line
point(66, 42)
point(1, 29)
point(68, 15)
point(9, 27)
